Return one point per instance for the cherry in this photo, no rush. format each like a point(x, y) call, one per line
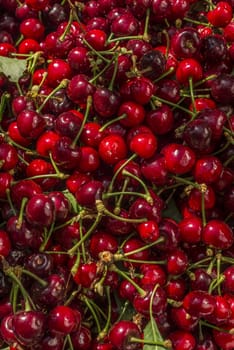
point(229, 279)
point(86, 274)
point(124, 25)
point(133, 112)
point(140, 208)
point(169, 90)
point(199, 303)
point(82, 339)
point(51, 294)
point(96, 38)
point(65, 154)
point(179, 159)
point(32, 28)
point(207, 169)
point(8, 157)
point(169, 230)
point(152, 275)
point(141, 303)
point(224, 339)
point(7, 330)
point(29, 326)
point(30, 124)
point(176, 289)
point(221, 15)
point(182, 340)
point(198, 136)
point(63, 320)
point(188, 69)
point(152, 64)
point(37, 5)
point(40, 210)
point(131, 248)
point(112, 149)
point(138, 47)
point(78, 59)
point(160, 120)
point(195, 198)
point(24, 189)
point(140, 89)
point(88, 193)
point(182, 319)
point(121, 333)
point(148, 231)
point(154, 169)
point(52, 342)
point(186, 43)
point(217, 234)
point(144, 145)
point(40, 264)
point(213, 48)
point(57, 70)
point(102, 241)
point(177, 262)
point(46, 142)
point(221, 89)
point(79, 88)
point(68, 123)
point(5, 243)
point(91, 134)
point(190, 229)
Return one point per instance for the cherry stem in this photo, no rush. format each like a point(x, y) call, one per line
point(146, 27)
point(68, 26)
point(207, 324)
point(104, 211)
point(104, 331)
point(87, 234)
point(147, 193)
point(76, 264)
point(3, 103)
point(192, 95)
point(114, 268)
point(68, 337)
point(203, 210)
point(165, 343)
point(113, 194)
point(34, 276)
point(87, 110)
point(112, 121)
point(162, 100)
point(168, 72)
point(111, 85)
point(159, 240)
point(8, 195)
point(63, 84)
point(47, 237)
point(118, 202)
point(102, 71)
point(95, 51)
point(21, 213)
point(14, 295)
point(82, 244)
point(110, 187)
point(92, 310)
point(54, 165)
point(196, 22)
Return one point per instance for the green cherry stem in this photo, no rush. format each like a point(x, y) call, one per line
point(112, 121)
point(123, 274)
point(192, 95)
point(95, 51)
point(93, 312)
point(3, 103)
point(63, 84)
point(87, 110)
point(118, 201)
point(21, 213)
point(164, 343)
point(104, 331)
point(147, 193)
point(72, 250)
point(157, 99)
point(47, 237)
point(42, 282)
point(104, 211)
point(111, 85)
point(111, 185)
point(69, 341)
point(144, 247)
point(8, 195)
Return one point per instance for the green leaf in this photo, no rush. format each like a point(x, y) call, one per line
point(13, 68)
point(151, 333)
point(172, 211)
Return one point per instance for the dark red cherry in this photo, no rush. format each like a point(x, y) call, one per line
point(62, 320)
point(179, 159)
point(217, 234)
point(40, 210)
point(182, 340)
point(120, 335)
point(106, 102)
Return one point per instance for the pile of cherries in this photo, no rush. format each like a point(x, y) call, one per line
point(116, 175)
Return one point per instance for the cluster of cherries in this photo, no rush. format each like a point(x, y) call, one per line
point(116, 175)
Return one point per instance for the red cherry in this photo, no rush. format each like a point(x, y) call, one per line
point(221, 15)
point(144, 145)
point(63, 320)
point(189, 68)
point(112, 149)
point(179, 159)
point(217, 234)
